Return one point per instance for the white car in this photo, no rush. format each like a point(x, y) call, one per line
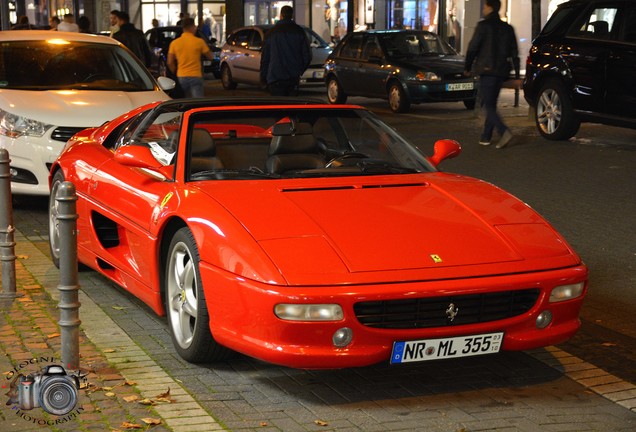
point(241, 57)
point(54, 84)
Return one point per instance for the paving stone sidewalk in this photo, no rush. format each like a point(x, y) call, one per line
point(123, 390)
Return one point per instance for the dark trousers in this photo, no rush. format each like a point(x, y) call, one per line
point(489, 88)
point(284, 88)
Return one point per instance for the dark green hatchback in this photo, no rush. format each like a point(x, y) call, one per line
point(403, 66)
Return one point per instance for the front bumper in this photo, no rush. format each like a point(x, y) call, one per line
point(437, 92)
point(242, 317)
point(313, 75)
point(31, 158)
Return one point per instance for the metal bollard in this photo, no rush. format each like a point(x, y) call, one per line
point(69, 288)
point(7, 243)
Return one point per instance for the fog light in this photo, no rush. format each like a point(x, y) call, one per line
point(342, 337)
point(566, 292)
point(309, 312)
point(544, 319)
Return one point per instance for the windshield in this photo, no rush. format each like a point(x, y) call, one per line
point(414, 44)
point(45, 65)
point(284, 143)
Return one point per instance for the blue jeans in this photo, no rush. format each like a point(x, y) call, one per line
point(192, 87)
point(489, 88)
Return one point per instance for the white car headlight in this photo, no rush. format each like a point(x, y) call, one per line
point(15, 126)
point(309, 312)
point(566, 292)
point(427, 76)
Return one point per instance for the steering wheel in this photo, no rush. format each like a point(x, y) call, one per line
point(341, 160)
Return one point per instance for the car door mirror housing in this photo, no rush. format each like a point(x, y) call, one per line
point(165, 83)
point(444, 149)
point(137, 156)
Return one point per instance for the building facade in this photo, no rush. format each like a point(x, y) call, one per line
point(331, 19)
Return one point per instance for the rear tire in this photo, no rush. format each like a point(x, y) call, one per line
point(554, 112)
point(226, 78)
point(335, 93)
point(188, 316)
point(398, 100)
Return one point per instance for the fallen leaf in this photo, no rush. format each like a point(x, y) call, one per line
point(109, 350)
point(131, 398)
point(146, 402)
point(130, 383)
point(163, 395)
point(608, 344)
point(22, 256)
point(109, 394)
point(321, 423)
point(107, 388)
point(53, 335)
point(151, 421)
point(263, 424)
point(118, 307)
point(128, 425)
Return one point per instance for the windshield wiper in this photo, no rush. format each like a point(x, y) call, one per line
point(220, 174)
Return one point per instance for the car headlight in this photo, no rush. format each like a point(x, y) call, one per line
point(427, 76)
point(566, 292)
point(15, 126)
point(309, 312)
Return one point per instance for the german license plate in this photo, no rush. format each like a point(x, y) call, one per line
point(434, 349)
point(460, 86)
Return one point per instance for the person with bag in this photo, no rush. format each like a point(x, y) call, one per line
point(492, 53)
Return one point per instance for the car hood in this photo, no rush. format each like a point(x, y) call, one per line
point(386, 229)
point(75, 108)
point(438, 64)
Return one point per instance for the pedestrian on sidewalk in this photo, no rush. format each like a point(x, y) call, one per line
point(68, 24)
point(285, 55)
point(492, 53)
point(133, 38)
point(184, 59)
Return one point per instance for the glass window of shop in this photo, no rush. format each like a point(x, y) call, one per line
point(261, 13)
point(413, 14)
point(329, 19)
point(167, 13)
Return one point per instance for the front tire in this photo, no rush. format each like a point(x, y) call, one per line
point(554, 113)
point(187, 311)
point(226, 78)
point(398, 100)
point(335, 93)
point(54, 227)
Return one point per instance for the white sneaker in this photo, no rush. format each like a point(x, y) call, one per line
point(505, 139)
point(484, 142)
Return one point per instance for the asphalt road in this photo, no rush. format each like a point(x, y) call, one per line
point(585, 187)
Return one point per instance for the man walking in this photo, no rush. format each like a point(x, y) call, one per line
point(133, 38)
point(490, 52)
point(184, 59)
point(285, 55)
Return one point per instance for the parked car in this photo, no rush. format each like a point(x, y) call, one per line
point(241, 57)
point(313, 236)
point(581, 68)
point(403, 66)
point(54, 84)
point(159, 40)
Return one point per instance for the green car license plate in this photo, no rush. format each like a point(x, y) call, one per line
point(460, 86)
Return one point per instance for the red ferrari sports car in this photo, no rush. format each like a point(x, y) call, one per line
point(312, 236)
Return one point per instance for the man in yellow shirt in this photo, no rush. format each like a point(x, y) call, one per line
point(184, 59)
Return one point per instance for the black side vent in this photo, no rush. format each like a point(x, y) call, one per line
point(106, 230)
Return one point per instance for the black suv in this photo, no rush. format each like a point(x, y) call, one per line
point(582, 67)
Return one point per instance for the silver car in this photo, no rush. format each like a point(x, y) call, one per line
point(241, 57)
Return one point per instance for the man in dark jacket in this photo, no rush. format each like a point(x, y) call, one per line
point(492, 52)
point(285, 55)
point(133, 38)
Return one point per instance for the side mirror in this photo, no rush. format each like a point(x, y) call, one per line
point(444, 149)
point(165, 83)
point(140, 157)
